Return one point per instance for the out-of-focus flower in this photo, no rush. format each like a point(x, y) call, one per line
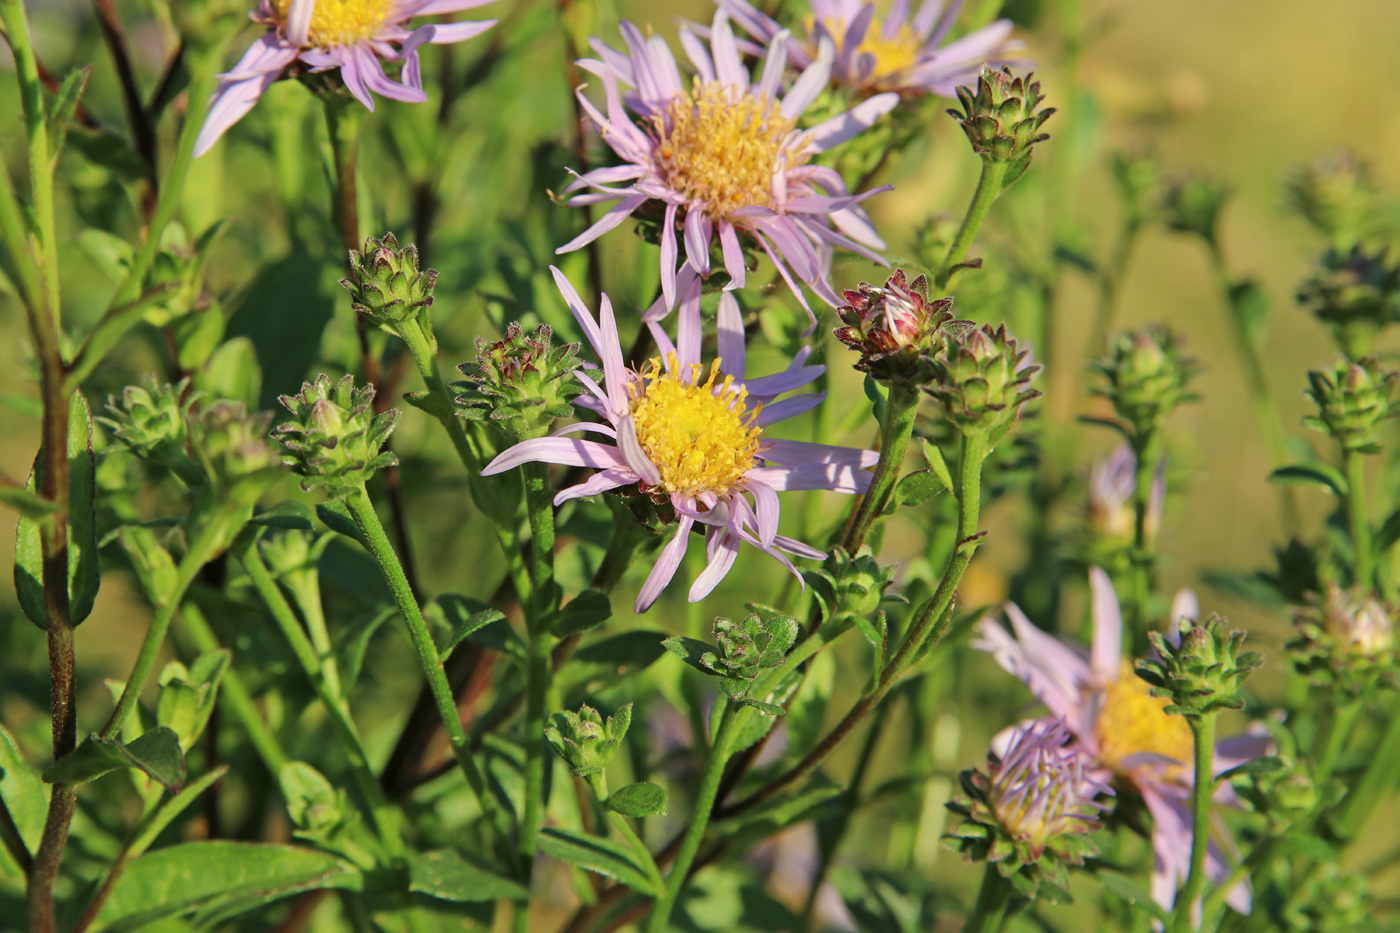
point(1336, 195)
point(895, 328)
point(1356, 294)
point(1346, 638)
point(1114, 716)
point(1353, 399)
point(1193, 204)
point(355, 36)
point(1147, 373)
point(698, 443)
point(721, 156)
point(1111, 485)
point(910, 56)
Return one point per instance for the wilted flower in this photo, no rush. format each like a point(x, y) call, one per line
point(335, 439)
point(354, 36)
point(909, 56)
point(1353, 399)
point(1112, 483)
point(695, 442)
point(1347, 638)
point(722, 156)
point(1118, 722)
point(895, 329)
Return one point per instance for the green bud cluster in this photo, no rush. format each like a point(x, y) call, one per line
point(151, 419)
point(1201, 672)
point(584, 740)
point(1353, 399)
point(1147, 374)
point(387, 287)
point(335, 438)
point(522, 382)
point(1002, 119)
point(1336, 195)
point(982, 380)
point(1355, 294)
point(896, 329)
point(746, 649)
point(850, 588)
point(1138, 177)
point(1346, 640)
point(1333, 900)
point(1194, 205)
point(231, 444)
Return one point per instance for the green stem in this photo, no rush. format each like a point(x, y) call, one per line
point(660, 916)
point(989, 913)
point(1380, 776)
point(901, 407)
point(539, 670)
point(1146, 454)
point(1356, 515)
point(1343, 724)
point(988, 190)
point(1202, 790)
point(362, 511)
point(599, 783)
point(1110, 282)
point(343, 119)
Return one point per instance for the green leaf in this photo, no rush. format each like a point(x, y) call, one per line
point(1312, 474)
point(290, 514)
point(22, 792)
point(772, 709)
point(784, 811)
point(83, 574)
point(933, 456)
point(430, 403)
point(334, 514)
point(916, 489)
point(463, 617)
point(187, 696)
point(1110, 424)
point(109, 252)
point(452, 876)
point(586, 611)
point(644, 799)
point(692, 652)
point(219, 875)
point(1266, 765)
point(613, 658)
point(26, 502)
point(499, 636)
point(1135, 894)
point(65, 103)
point(108, 150)
point(157, 753)
point(1389, 533)
point(152, 563)
point(233, 373)
point(596, 854)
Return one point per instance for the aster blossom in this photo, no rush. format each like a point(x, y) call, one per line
point(354, 36)
point(910, 56)
point(696, 442)
point(1124, 729)
point(721, 155)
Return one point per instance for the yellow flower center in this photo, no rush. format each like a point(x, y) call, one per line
point(723, 147)
point(701, 436)
point(893, 56)
point(341, 22)
point(1132, 723)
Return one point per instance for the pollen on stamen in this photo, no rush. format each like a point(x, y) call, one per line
point(342, 22)
point(701, 436)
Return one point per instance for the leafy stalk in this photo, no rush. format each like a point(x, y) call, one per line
point(1356, 516)
point(993, 897)
point(1202, 791)
point(989, 187)
point(901, 407)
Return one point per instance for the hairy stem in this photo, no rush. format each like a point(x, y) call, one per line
point(1202, 791)
point(538, 670)
point(1356, 518)
point(901, 407)
point(988, 190)
point(993, 897)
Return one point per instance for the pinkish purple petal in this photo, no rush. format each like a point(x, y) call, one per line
point(632, 453)
point(299, 21)
point(665, 568)
point(810, 84)
point(698, 231)
point(449, 33)
point(729, 337)
point(798, 452)
point(568, 451)
point(773, 412)
point(836, 477)
point(608, 221)
point(766, 509)
point(722, 552)
point(599, 482)
point(1106, 658)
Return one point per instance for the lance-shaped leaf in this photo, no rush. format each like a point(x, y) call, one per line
point(157, 753)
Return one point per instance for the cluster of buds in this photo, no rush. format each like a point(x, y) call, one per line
point(1336, 195)
point(335, 437)
point(231, 445)
point(1193, 205)
point(1031, 812)
point(1346, 638)
point(1333, 900)
point(982, 379)
point(1138, 177)
point(152, 421)
point(1147, 373)
point(746, 649)
point(895, 329)
point(1353, 399)
point(522, 383)
point(1003, 118)
point(388, 289)
point(850, 588)
point(584, 740)
point(1355, 294)
point(1200, 671)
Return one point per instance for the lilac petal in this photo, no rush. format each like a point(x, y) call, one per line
point(927, 16)
point(774, 64)
point(234, 98)
point(299, 21)
point(376, 80)
point(1106, 657)
point(610, 355)
point(979, 45)
point(793, 546)
point(786, 381)
point(580, 426)
point(437, 7)
point(1256, 742)
point(568, 451)
point(413, 70)
point(606, 176)
point(699, 56)
point(448, 33)
point(766, 509)
point(1184, 606)
point(579, 310)
point(631, 450)
point(698, 231)
point(839, 129)
point(898, 16)
point(797, 452)
point(359, 64)
point(728, 68)
point(1044, 682)
point(608, 221)
point(733, 255)
point(810, 84)
point(1062, 664)
point(835, 477)
point(668, 256)
point(789, 408)
point(267, 54)
point(622, 135)
point(689, 329)
point(1171, 845)
point(599, 482)
point(665, 568)
point(722, 555)
point(729, 339)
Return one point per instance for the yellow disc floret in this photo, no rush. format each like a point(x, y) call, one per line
point(700, 435)
point(342, 22)
point(722, 146)
point(1132, 722)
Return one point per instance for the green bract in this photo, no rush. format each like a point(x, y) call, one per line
point(1147, 374)
point(150, 418)
point(1201, 672)
point(335, 437)
point(1353, 399)
point(1003, 119)
point(585, 740)
point(522, 383)
point(982, 379)
point(1193, 205)
point(387, 287)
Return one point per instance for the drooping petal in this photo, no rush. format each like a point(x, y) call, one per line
point(620, 212)
point(729, 338)
point(255, 72)
point(1106, 657)
point(766, 509)
point(449, 33)
point(599, 482)
point(299, 14)
point(568, 451)
point(797, 452)
point(733, 255)
point(839, 129)
point(355, 71)
point(665, 568)
point(722, 555)
point(632, 452)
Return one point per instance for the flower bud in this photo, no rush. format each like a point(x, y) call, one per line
point(230, 442)
point(850, 588)
point(895, 329)
point(1346, 638)
point(746, 649)
point(1353, 399)
point(335, 437)
point(522, 382)
point(1193, 205)
point(1003, 118)
point(982, 380)
point(150, 419)
point(1356, 294)
point(584, 740)
point(1147, 374)
point(1112, 483)
point(387, 286)
point(1138, 177)
point(1201, 670)
point(1336, 195)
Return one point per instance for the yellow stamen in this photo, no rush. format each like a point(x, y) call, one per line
point(723, 147)
point(893, 56)
point(342, 22)
point(1132, 722)
point(701, 436)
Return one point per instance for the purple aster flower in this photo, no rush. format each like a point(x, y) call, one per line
point(1111, 485)
point(698, 442)
point(356, 36)
point(1117, 721)
point(721, 155)
point(899, 54)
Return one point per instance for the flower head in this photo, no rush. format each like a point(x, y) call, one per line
point(720, 156)
point(696, 441)
point(1353, 400)
point(1346, 638)
point(895, 329)
point(354, 36)
point(335, 439)
point(907, 55)
point(1124, 728)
